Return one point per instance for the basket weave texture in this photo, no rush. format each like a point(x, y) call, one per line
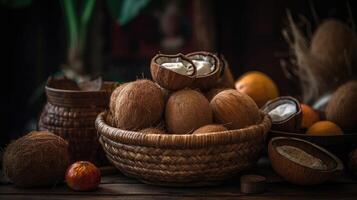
point(182, 160)
point(71, 115)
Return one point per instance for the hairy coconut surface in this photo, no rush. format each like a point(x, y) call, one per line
point(110, 119)
point(139, 105)
point(325, 64)
point(152, 130)
point(210, 128)
point(115, 95)
point(234, 109)
point(37, 159)
point(187, 110)
point(342, 107)
point(334, 44)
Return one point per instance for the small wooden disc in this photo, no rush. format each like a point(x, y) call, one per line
point(252, 184)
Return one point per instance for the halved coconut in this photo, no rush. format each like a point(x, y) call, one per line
point(285, 113)
point(172, 72)
point(226, 79)
point(208, 69)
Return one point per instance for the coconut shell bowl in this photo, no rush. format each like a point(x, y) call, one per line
point(299, 173)
point(183, 160)
point(340, 145)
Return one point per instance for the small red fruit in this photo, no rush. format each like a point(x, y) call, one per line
point(83, 176)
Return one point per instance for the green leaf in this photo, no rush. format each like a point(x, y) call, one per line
point(15, 3)
point(126, 10)
point(84, 20)
point(71, 21)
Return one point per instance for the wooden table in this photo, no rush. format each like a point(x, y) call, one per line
point(117, 186)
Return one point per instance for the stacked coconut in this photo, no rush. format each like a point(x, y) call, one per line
point(189, 94)
point(326, 66)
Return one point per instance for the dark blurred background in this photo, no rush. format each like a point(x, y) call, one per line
point(34, 43)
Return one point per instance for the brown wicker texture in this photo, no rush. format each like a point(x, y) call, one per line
point(71, 114)
point(183, 160)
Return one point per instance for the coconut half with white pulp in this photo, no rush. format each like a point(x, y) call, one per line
point(285, 113)
point(208, 69)
point(172, 72)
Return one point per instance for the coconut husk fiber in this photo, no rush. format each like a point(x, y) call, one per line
point(39, 158)
point(324, 63)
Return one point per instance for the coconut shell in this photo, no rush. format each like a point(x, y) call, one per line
point(235, 109)
point(165, 91)
point(205, 82)
point(291, 123)
point(187, 110)
point(342, 107)
point(139, 105)
point(210, 128)
point(334, 44)
point(37, 159)
point(226, 80)
point(167, 78)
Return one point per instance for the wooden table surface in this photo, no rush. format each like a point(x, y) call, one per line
point(117, 186)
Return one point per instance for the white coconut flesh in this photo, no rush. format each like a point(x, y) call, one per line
point(205, 65)
point(283, 111)
point(177, 65)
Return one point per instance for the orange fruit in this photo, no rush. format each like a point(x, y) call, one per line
point(324, 128)
point(309, 116)
point(258, 86)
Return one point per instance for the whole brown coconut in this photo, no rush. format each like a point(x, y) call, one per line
point(110, 119)
point(342, 107)
point(234, 109)
point(187, 110)
point(334, 44)
point(140, 104)
point(114, 96)
point(36, 159)
point(210, 128)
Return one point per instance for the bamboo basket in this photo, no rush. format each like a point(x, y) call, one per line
point(71, 115)
point(183, 160)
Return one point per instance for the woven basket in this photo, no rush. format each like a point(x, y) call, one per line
point(71, 114)
point(183, 160)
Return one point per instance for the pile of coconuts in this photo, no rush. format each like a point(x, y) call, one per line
point(324, 61)
point(39, 158)
point(189, 94)
point(326, 66)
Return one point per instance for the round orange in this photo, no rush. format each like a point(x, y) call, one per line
point(309, 116)
point(324, 128)
point(258, 86)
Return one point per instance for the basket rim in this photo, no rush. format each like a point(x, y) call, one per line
point(178, 141)
point(52, 89)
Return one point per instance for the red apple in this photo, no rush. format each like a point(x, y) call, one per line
point(83, 176)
